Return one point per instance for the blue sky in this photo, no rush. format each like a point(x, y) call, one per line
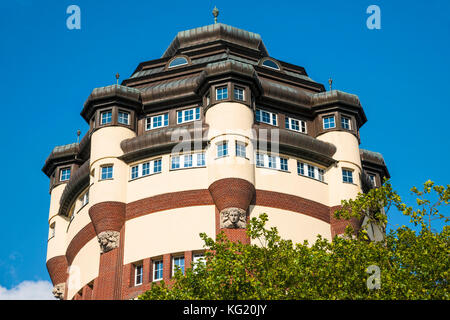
point(400, 73)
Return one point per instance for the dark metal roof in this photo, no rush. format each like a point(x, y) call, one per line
point(214, 32)
point(60, 154)
point(375, 159)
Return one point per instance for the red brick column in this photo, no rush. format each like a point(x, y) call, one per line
point(338, 225)
point(232, 193)
point(108, 219)
point(57, 269)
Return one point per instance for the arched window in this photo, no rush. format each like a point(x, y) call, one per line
point(271, 64)
point(178, 62)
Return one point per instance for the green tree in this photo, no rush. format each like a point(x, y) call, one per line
point(413, 264)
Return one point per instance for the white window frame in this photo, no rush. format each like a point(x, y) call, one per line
point(199, 257)
point(127, 117)
point(101, 117)
point(140, 169)
point(173, 263)
point(374, 180)
point(136, 268)
point(241, 149)
point(84, 199)
point(61, 174)
point(195, 115)
point(217, 93)
point(105, 167)
point(273, 120)
point(220, 150)
point(351, 175)
point(236, 96)
point(182, 157)
point(349, 122)
point(301, 125)
point(274, 165)
point(319, 173)
point(334, 122)
point(150, 122)
point(154, 270)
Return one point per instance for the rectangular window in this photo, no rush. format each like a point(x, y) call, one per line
point(347, 176)
point(300, 168)
point(222, 150)
point(240, 150)
point(65, 174)
point(200, 159)
point(345, 123)
point(85, 198)
point(271, 162)
point(177, 262)
point(328, 122)
point(146, 168)
point(124, 117)
point(221, 93)
point(283, 164)
point(188, 161)
point(198, 258)
point(175, 162)
point(295, 125)
point(107, 172)
point(158, 121)
point(188, 115)
point(157, 270)
point(310, 171)
point(373, 180)
point(134, 172)
point(266, 117)
point(321, 174)
point(138, 275)
point(239, 93)
point(157, 166)
point(106, 117)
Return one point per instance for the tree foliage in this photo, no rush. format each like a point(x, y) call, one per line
point(413, 264)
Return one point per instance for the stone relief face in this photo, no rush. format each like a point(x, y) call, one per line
point(58, 291)
point(108, 240)
point(233, 218)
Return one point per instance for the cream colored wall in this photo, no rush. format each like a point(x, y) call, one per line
point(165, 182)
point(84, 268)
point(105, 142)
point(292, 225)
point(55, 197)
point(168, 231)
point(231, 122)
point(292, 183)
point(56, 246)
point(81, 220)
point(347, 155)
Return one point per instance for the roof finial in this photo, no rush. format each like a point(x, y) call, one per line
point(78, 136)
point(215, 13)
point(117, 78)
point(330, 82)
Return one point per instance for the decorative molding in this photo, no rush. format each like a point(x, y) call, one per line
point(58, 291)
point(108, 240)
point(233, 218)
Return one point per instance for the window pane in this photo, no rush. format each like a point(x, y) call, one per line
point(106, 117)
point(157, 166)
point(197, 113)
point(240, 150)
point(283, 164)
point(345, 123)
point(134, 172)
point(222, 150)
point(180, 117)
point(188, 161)
point(310, 171)
point(175, 162)
point(222, 93)
point(258, 115)
point(178, 62)
point(300, 168)
point(123, 117)
point(328, 122)
point(146, 168)
point(158, 270)
point(239, 93)
point(200, 159)
point(260, 160)
point(65, 174)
